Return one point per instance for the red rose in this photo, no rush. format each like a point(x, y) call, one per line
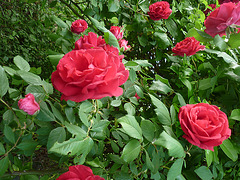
point(226, 1)
point(159, 10)
point(28, 104)
point(116, 32)
point(79, 26)
point(137, 96)
point(204, 125)
point(213, 6)
point(79, 172)
point(123, 43)
point(89, 74)
point(226, 15)
point(188, 46)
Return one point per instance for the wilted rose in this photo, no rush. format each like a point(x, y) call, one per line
point(28, 104)
point(89, 74)
point(116, 30)
point(79, 26)
point(204, 125)
point(79, 172)
point(228, 14)
point(188, 46)
point(159, 10)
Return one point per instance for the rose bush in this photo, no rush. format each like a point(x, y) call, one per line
point(221, 18)
point(28, 104)
point(204, 125)
point(188, 46)
point(116, 30)
point(79, 172)
point(79, 26)
point(159, 10)
point(89, 74)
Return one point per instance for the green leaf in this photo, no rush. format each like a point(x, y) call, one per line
point(131, 126)
point(116, 103)
point(54, 59)
point(45, 114)
point(175, 149)
point(149, 162)
point(29, 77)
point(199, 35)
point(234, 40)
point(229, 150)
point(75, 130)
point(173, 114)
point(161, 111)
point(100, 129)
point(9, 70)
point(83, 117)
point(8, 132)
point(48, 87)
point(4, 165)
point(4, 82)
point(132, 75)
point(73, 146)
point(148, 129)
point(235, 115)
point(172, 28)
point(162, 38)
point(113, 5)
point(228, 59)
point(220, 43)
point(37, 91)
point(21, 63)
point(28, 147)
point(70, 114)
point(181, 100)
point(129, 108)
point(209, 157)
point(131, 150)
point(56, 135)
point(161, 87)
point(138, 90)
point(175, 169)
point(59, 22)
point(204, 173)
point(2, 149)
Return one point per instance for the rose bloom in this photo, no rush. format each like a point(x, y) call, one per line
point(188, 46)
point(213, 6)
point(204, 125)
point(123, 43)
point(79, 172)
point(226, 1)
point(89, 74)
point(159, 10)
point(116, 32)
point(28, 104)
point(226, 15)
point(79, 26)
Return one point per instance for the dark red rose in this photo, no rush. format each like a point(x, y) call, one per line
point(89, 74)
point(159, 10)
point(213, 6)
point(226, 1)
point(123, 43)
point(79, 26)
point(116, 32)
point(204, 125)
point(188, 46)
point(28, 104)
point(228, 14)
point(137, 96)
point(79, 172)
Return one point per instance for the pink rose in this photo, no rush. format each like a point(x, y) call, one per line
point(204, 125)
point(116, 32)
point(123, 43)
point(213, 6)
point(89, 74)
point(222, 17)
point(79, 172)
point(28, 104)
point(226, 1)
point(79, 26)
point(188, 46)
point(159, 10)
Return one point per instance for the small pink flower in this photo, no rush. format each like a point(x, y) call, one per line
point(116, 30)
point(79, 172)
point(123, 43)
point(28, 104)
point(136, 95)
point(79, 26)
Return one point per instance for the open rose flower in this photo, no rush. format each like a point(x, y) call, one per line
point(159, 10)
point(116, 30)
point(188, 46)
point(123, 43)
point(89, 74)
point(79, 172)
point(28, 104)
point(204, 125)
point(228, 14)
point(79, 26)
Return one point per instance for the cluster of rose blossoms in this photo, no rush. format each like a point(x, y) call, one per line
point(94, 69)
